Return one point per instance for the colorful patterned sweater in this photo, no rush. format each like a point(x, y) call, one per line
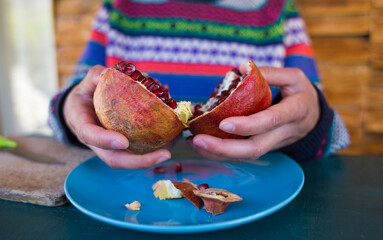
point(190, 45)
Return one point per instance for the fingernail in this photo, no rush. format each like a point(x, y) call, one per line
point(116, 144)
point(227, 127)
point(200, 144)
point(162, 159)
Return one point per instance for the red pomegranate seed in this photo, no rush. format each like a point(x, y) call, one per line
point(159, 170)
point(154, 86)
point(197, 107)
point(213, 94)
point(163, 99)
point(150, 84)
point(218, 84)
point(197, 113)
point(232, 86)
point(120, 66)
point(140, 79)
point(178, 167)
point(172, 103)
point(136, 75)
point(213, 106)
point(124, 67)
point(160, 92)
point(225, 93)
point(223, 98)
point(203, 186)
point(147, 81)
point(220, 100)
point(156, 81)
point(130, 68)
point(237, 80)
point(236, 71)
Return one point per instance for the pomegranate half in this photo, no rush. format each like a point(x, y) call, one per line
point(237, 95)
point(139, 107)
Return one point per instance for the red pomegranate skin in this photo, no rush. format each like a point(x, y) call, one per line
point(125, 106)
point(252, 95)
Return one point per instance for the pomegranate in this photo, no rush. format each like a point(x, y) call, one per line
point(236, 95)
point(138, 106)
point(203, 186)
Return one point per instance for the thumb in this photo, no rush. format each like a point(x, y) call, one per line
point(283, 77)
point(89, 84)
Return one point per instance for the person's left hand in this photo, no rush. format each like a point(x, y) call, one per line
point(277, 126)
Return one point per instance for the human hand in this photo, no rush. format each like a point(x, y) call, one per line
point(109, 145)
point(275, 127)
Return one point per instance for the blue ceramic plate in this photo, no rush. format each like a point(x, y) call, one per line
point(265, 185)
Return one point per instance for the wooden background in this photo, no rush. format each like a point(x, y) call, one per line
point(347, 37)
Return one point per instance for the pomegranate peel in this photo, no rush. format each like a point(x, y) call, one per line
point(251, 95)
point(125, 106)
point(187, 189)
point(139, 107)
point(216, 200)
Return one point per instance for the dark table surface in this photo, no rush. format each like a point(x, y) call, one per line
point(342, 198)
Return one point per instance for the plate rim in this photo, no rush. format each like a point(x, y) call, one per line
point(184, 228)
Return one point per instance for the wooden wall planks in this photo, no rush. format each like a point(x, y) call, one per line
point(328, 8)
point(347, 37)
point(73, 20)
point(348, 42)
point(341, 50)
point(377, 3)
point(329, 26)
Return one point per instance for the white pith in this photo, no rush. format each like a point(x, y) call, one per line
point(164, 189)
point(183, 111)
point(184, 108)
point(226, 82)
point(173, 191)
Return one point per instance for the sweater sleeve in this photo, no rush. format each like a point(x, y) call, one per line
point(94, 54)
point(330, 134)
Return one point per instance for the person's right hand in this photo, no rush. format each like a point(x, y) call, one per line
point(109, 145)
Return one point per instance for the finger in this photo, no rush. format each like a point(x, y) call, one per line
point(88, 131)
point(118, 159)
point(205, 153)
point(89, 84)
point(280, 137)
point(209, 155)
point(97, 136)
point(228, 148)
point(288, 110)
point(251, 148)
point(290, 78)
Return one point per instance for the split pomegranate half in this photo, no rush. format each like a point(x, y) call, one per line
point(138, 106)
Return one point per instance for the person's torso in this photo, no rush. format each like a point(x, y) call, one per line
point(196, 41)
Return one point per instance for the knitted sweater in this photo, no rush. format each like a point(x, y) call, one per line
point(190, 45)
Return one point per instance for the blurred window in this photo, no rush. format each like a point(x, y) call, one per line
point(28, 72)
